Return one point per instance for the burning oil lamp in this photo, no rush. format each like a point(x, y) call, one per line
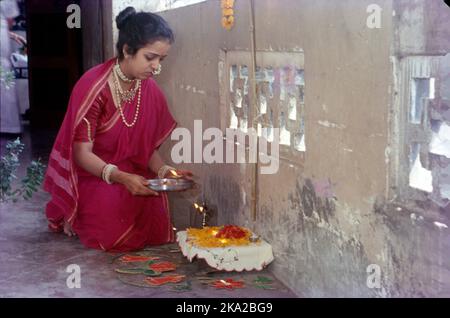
point(254, 238)
point(202, 209)
point(174, 174)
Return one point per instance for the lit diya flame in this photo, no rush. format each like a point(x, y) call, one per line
point(199, 207)
point(202, 210)
point(174, 173)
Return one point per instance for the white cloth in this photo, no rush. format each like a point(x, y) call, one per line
point(19, 60)
point(419, 177)
point(10, 113)
point(22, 94)
point(8, 10)
point(440, 142)
point(255, 256)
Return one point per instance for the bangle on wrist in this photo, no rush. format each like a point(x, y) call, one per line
point(106, 173)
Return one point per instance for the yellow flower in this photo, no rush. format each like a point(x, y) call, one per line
point(206, 237)
point(228, 22)
point(227, 12)
point(227, 4)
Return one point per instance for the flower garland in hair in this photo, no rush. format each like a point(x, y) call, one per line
point(227, 14)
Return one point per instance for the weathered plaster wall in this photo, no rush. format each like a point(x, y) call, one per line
point(421, 27)
point(326, 215)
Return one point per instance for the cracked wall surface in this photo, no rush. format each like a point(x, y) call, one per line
point(345, 203)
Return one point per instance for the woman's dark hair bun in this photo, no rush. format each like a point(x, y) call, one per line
point(122, 18)
point(136, 30)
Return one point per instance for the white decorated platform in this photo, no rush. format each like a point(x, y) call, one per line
point(255, 256)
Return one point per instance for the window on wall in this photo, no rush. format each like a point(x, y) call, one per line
point(279, 101)
point(421, 90)
point(423, 130)
point(419, 74)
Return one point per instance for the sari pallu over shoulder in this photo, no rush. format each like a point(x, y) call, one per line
point(61, 179)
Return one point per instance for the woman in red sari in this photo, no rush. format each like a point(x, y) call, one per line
point(107, 147)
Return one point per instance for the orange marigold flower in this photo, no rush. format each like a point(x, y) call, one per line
point(227, 12)
point(228, 22)
point(208, 237)
point(227, 3)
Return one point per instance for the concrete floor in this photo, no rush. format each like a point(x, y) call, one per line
point(33, 261)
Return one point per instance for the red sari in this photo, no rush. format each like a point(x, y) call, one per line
point(107, 216)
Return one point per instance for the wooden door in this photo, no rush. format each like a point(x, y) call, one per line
point(55, 60)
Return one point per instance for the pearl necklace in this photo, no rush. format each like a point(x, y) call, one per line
point(128, 95)
point(119, 102)
point(119, 72)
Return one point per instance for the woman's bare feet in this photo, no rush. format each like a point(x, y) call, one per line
point(68, 229)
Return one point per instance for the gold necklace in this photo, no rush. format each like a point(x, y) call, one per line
point(119, 102)
point(127, 95)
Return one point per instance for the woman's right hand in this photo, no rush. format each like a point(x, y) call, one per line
point(18, 38)
point(86, 159)
point(137, 185)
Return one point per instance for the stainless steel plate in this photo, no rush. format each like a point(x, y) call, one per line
point(170, 184)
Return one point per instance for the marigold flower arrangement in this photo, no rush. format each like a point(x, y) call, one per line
point(227, 14)
point(219, 236)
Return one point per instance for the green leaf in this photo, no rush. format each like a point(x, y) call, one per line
point(9, 163)
point(150, 272)
point(265, 287)
point(150, 262)
point(263, 280)
point(130, 270)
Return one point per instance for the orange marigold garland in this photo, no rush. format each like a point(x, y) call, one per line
point(227, 14)
point(215, 236)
